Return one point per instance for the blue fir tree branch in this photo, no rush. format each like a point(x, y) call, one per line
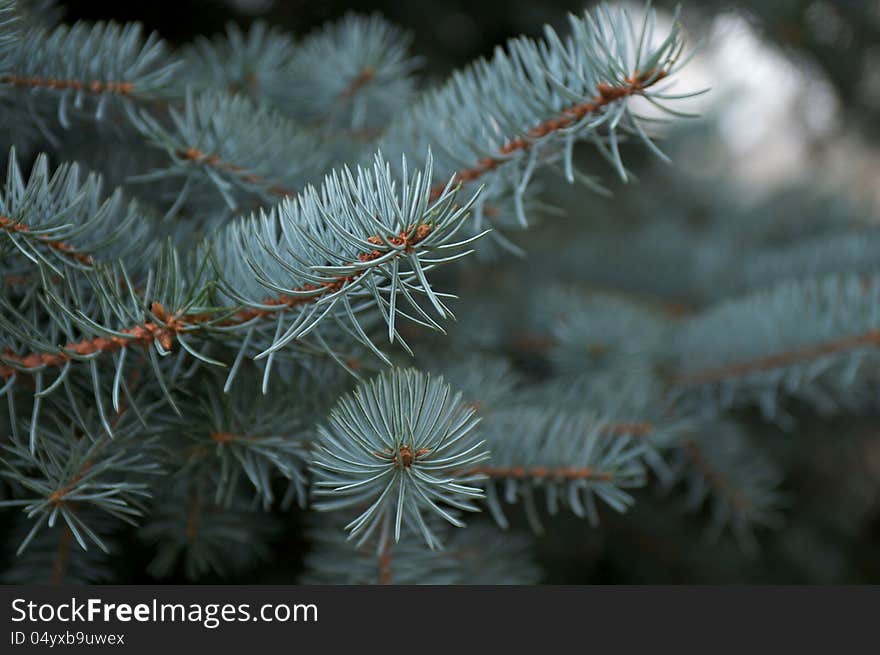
point(84, 314)
point(632, 401)
point(530, 103)
point(238, 441)
point(354, 74)
point(255, 63)
point(238, 149)
point(59, 476)
point(399, 447)
point(349, 77)
point(193, 533)
point(380, 238)
point(85, 68)
point(812, 339)
point(602, 331)
point(62, 219)
point(364, 241)
point(718, 466)
point(573, 459)
point(53, 557)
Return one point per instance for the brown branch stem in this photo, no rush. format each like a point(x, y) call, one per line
point(192, 518)
point(361, 80)
point(62, 556)
point(776, 360)
point(13, 227)
point(170, 324)
point(630, 428)
point(195, 155)
point(97, 87)
point(57, 497)
point(606, 94)
point(385, 571)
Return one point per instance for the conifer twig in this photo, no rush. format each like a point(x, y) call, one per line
point(777, 360)
point(363, 78)
point(96, 87)
point(172, 324)
point(195, 155)
point(62, 556)
point(386, 574)
point(607, 94)
point(63, 247)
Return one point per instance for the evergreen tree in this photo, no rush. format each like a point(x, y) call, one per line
point(238, 342)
